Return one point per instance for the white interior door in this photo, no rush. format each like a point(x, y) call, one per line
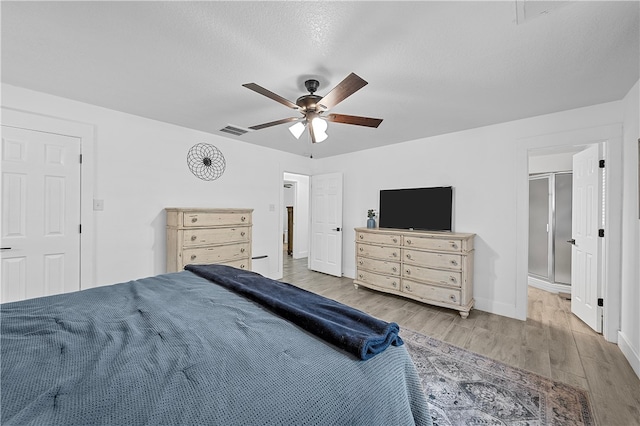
point(326, 224)
point(585, 253)
point(40, 214)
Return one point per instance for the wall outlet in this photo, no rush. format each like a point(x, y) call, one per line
point(98, 205)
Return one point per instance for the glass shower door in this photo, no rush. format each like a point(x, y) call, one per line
point(539, 227)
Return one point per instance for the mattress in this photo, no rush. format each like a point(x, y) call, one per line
point(179, 349)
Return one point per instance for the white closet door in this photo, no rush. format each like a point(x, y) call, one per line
point(40, 214)
point(326, 224)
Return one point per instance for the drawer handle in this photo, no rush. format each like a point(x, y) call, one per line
point(407, 287)
point(395, 240)
point(453, 279)
point(452, 297)
point(394, 269)
point(242, 266)
point(408, 272)
point(361, 249)
point(242, 219)
point(394, 284)
point(408, 255)
point(408, 241)
point(361, 262)
point(360, 276)
point(242, 250)
point(454, 262)
point(193, 257)
point(194, 219)
point(242, 234)
point(193, 238)
point(361, 236)
point(453, 244)
point(395, 254)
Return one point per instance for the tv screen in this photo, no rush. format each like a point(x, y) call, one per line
point(417, 208)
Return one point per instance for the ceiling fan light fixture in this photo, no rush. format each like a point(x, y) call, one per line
point(319, 129)
point(297, 129)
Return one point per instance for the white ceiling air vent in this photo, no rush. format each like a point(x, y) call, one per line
point(235, 130)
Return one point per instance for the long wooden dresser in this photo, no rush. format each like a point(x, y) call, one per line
point(196, 235)
point(430, 267)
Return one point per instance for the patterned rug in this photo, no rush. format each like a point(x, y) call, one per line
point(464, 388)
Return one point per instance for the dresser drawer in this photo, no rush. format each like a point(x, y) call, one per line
point(430, 292)
point(382, 239)
point(240, 264)
point(435, 260)
point(382, 281)
point(379, 252)
point(380, 266)
point(216, 254)
point(198, 237)
point(433, 243)
point(202, 219)
point(438, 276)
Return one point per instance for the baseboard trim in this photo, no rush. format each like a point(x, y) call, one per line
point(629, 353)
point(547, 286)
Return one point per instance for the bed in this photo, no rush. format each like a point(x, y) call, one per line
point(189, 348)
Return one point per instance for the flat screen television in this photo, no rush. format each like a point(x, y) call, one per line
point(427, 209)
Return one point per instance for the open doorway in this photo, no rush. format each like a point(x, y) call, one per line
point(295, 216)
point(550, 221)
point(610, 138)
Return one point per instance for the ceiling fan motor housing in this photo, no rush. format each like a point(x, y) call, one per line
point(308, 102)
point(312, 85)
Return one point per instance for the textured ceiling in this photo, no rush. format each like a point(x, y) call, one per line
point(432, 67)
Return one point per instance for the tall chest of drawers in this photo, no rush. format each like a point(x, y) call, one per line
point(199, 236)
point(430, 267)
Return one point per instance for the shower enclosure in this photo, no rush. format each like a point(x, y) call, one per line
point(550, 227)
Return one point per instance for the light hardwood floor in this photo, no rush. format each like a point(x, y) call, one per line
point(551, 342)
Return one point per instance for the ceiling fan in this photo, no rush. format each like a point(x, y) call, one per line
point(313, 108)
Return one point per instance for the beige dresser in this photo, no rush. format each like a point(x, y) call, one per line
point(430, 267)
point(200, 236)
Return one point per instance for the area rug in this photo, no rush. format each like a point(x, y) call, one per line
point(464, 388)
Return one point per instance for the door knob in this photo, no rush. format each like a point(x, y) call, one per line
point(572, 241)
point(338, 229)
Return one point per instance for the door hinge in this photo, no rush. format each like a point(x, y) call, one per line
point(600, 302)
point(601, 163)
point(600, 232)
point(80, 158)
point(80, 228)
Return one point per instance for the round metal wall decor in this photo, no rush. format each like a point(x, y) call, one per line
point(206, 161)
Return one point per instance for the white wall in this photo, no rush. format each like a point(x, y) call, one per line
point(481, 165)
point(629, 335)
point(140, 168)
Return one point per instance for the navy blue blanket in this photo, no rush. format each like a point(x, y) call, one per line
point(347, 328)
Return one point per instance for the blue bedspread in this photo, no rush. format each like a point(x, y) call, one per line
point(350, 329)
point(177, 350)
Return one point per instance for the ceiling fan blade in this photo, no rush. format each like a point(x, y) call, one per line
point(354, 119)
point(347, 87)
point(269, 94)
point(275, 123)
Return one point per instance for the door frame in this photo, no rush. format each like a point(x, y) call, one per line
point(86, 134)
point(611, 136)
